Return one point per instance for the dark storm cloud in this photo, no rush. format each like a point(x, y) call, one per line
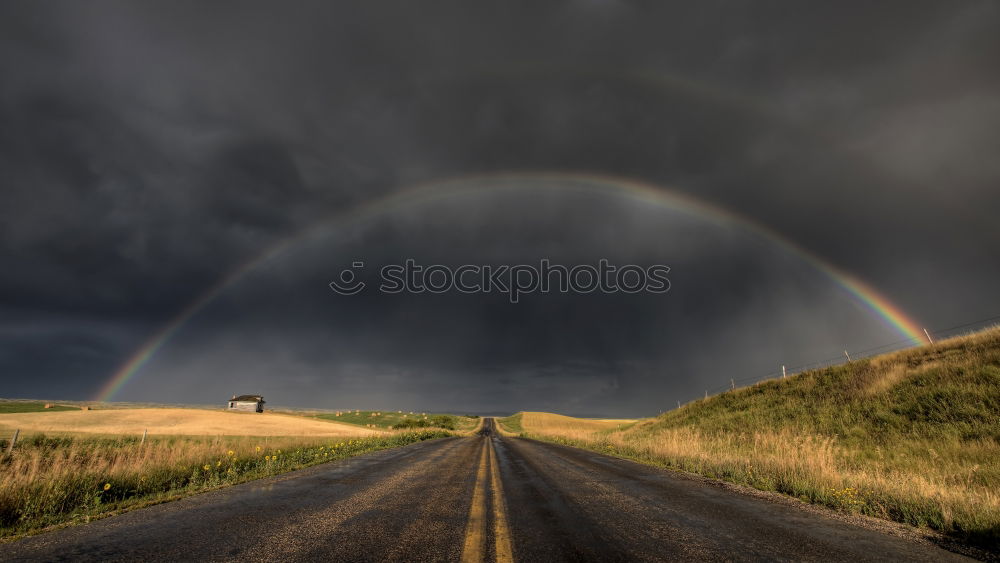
point(148, 150)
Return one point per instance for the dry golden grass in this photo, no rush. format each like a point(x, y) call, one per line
point(770, 459)
point(176, 421)
point(111, 459)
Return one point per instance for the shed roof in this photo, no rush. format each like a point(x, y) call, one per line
point(252, 398)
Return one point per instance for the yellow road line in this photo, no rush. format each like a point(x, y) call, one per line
point(501, 533)
point(472, 551)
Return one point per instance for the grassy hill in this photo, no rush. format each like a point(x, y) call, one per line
point(912, 436)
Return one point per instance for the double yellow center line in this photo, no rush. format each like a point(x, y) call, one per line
point(473, 551)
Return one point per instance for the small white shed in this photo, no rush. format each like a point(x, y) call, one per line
point(252, 403)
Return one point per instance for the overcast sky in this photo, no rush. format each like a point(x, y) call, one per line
point(149, 150)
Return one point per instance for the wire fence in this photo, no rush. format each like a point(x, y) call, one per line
point(936, 334)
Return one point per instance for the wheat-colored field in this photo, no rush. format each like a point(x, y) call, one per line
point(567, 426)
point(177, 421)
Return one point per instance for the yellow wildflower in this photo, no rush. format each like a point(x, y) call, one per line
point(107, 486)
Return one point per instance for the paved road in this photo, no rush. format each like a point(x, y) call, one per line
point(472, 499)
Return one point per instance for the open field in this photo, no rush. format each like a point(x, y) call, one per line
point(176, 421)
point(390, 419)
point(32, 406)
point(559, 425)
point(912, 436)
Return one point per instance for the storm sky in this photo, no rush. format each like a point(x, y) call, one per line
point(150, 150)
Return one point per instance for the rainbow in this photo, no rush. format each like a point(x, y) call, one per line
point(646, 193)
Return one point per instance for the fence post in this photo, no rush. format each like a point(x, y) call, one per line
point(782, 372)
point(13, 440)
point(678, 404)
point(928, 335)
point(848, 356)
point(144, 431)
point(732, 384)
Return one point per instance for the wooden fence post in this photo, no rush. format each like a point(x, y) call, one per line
point(13, 440)
point(928, 335)
point(732, 384)
point(144, 431)
point(783, 372)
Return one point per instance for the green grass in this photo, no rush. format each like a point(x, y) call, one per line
point(511, 423)
point(395, 419)
point(31, 406)
point(950, 395)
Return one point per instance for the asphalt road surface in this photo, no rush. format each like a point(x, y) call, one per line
point(477, 498)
